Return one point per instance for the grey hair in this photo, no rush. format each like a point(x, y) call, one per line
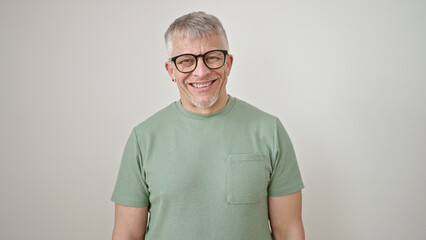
point(194, 25)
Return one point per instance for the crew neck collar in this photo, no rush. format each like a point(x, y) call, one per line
point(217, 114)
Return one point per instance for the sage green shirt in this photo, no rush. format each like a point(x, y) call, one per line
point(207, 176)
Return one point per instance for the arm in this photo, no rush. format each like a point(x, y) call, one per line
point(285, 215)
point(130, 223)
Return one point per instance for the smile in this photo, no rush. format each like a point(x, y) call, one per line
point(201, 85)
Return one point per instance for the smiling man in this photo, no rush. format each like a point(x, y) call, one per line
point(209, 166)
point(201, 83)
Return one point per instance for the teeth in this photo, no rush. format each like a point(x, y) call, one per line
point(201, 85)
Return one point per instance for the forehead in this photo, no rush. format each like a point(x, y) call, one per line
point(181, 45)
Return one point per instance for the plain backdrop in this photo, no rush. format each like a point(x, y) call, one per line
point(346, 78)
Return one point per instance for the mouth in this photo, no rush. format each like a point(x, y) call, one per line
point(202, 85)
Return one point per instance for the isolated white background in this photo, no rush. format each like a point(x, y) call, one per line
point(347, 79)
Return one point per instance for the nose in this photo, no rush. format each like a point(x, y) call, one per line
point(201, 70)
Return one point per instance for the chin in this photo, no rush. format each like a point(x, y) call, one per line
point(205, 103)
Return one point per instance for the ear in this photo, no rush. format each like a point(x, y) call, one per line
point(229, 61)
point(170, 69)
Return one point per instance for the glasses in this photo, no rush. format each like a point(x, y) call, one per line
point(187, 63)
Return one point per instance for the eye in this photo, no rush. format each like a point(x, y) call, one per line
point(212, 58)
point(185, 60)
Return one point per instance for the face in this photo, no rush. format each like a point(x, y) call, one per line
point(203, 90)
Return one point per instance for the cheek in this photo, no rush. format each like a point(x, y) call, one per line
point(228, 69)
point(180, 79)
point(181, 84)
point(224, 75)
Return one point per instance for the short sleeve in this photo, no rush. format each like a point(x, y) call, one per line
point(131, 188)
point(285, 177)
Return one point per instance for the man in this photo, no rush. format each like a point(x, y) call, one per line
point(209, 166)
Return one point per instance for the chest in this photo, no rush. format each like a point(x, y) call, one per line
point(189, 163)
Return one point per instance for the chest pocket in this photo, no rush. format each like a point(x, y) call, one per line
point(245, 178)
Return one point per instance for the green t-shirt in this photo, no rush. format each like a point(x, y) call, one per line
point(207, 176)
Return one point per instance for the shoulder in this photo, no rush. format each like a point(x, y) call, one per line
point(253, 113)
point(158, 119)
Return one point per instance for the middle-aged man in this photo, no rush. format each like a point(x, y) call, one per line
point(210, 166)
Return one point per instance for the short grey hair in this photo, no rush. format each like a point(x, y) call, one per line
point(194, 25)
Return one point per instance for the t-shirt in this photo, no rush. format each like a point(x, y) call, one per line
point(207, 176)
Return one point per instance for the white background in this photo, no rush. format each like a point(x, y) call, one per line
point(347, 79)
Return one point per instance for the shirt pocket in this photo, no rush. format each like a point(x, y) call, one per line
point(245, 178)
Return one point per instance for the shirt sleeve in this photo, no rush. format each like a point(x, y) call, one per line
point(285, 176)
point(131, 188)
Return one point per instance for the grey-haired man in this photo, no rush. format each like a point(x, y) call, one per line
point(209, 166)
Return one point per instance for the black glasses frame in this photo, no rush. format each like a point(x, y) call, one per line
point(173, 59)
